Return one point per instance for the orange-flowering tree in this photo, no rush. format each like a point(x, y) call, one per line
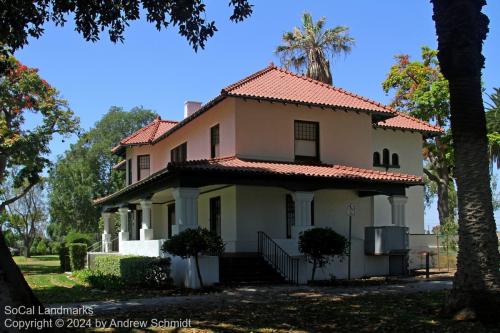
point(24, 150)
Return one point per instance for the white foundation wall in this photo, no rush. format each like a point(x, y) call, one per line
point(408, 146)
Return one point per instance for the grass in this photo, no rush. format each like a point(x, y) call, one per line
point(51, 286)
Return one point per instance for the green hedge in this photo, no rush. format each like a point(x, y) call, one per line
point(77, 254)
point(64, 258)
point(149, 271)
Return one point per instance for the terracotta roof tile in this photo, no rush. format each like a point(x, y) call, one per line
point(148, 133)
point(405, 121)
point(298, 169)
point(275, 83)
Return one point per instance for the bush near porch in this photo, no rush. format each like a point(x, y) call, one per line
point(132, 270)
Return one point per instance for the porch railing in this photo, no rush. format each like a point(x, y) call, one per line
point(97, 246)
point(281, 261)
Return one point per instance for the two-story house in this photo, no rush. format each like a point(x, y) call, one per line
point(272, 155)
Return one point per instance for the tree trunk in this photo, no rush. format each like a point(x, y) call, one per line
point(314, 270)
point(461, 29)
point(27, 247)
point(443, 201)
point(198, 271)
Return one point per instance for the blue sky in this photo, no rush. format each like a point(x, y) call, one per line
point(159, 70)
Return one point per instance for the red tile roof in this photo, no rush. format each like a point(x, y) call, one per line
point(147, 134)
point(295, 169)
point(406, 122)
point(278, 84)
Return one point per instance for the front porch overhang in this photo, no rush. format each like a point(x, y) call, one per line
point(187, 174)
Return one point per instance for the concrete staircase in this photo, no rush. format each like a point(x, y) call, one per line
point(247, 268)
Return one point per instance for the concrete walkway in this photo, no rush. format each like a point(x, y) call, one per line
point(258, 294)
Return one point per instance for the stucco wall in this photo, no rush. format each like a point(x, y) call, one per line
point(197, 135)
point(409, 148)
point(266, 131)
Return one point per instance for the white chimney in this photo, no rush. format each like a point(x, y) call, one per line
point(191, 107)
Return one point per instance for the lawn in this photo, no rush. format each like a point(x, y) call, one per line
point(51, 286)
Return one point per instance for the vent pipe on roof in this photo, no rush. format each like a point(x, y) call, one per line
point(191, 107)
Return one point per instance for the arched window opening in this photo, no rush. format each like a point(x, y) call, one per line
point(395, 160)
point(385, 157)
point(376, 158)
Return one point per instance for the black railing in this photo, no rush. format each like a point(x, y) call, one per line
point(281, 261)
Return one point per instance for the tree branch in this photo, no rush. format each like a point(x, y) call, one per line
point(16, 197)
point(431, 176)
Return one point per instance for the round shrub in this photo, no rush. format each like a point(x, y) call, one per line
point(64, 258)
point(157, 274)
point(78, 237)
point(320, 245)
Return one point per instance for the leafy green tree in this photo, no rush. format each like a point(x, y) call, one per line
point(309, 48)
point(422, 91)
point(320, 245)
point(21, 20)
point(493, 127)
point(27, 216)
point(461, 29)
point(193, 243)
point(86, 171)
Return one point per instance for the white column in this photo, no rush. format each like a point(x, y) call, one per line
point(146, 232)
point(186, 209)
point(106, 235)
point(302, 212)
point(398, 209)
point(123, 235)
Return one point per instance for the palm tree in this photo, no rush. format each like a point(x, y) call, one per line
point(461, 29)
point(309, 48)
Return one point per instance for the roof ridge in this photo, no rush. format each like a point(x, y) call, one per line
point(335, 88)
point(157, 123)
point(140, 130)
point(248, 78)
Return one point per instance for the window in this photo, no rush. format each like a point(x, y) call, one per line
point(306, 141)
point(215, 216)
point(142, 166)
point(171, 218)
point(129, 171)
point(179, 153)
point(376, 158)
point(290, 215)
point(312, 212)
point(385, 157)
point(395, 160)
point(214, 141)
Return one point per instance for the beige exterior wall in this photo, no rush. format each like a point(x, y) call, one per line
point(197, 135)
point(266, 131)
point(409, 148)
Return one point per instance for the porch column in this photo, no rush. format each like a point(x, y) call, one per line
point(106, 235)
point(398, 209)
point(302, 212)
point(146, 232)
point(186, 209)
point(123, 235)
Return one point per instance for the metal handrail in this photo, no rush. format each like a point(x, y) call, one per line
point(280, 260)
point(97, 246)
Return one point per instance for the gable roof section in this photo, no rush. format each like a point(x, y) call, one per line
point(277, 84)
point(147, 134)
point(404, 121)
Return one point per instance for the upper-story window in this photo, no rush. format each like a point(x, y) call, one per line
point(214, 141)
point(306, 141)
point(387, 160)
point(179, 153)
point(143, 168)
point(129, 171)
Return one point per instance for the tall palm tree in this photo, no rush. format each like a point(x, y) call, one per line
point(461, 29)
point(309, 48)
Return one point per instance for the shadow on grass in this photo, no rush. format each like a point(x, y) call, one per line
point(31, 269)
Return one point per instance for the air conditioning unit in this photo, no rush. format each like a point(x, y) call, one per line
point(386, 240)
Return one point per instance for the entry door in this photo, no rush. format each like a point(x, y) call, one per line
point(215, 215)
point(138, 225)
point(171, 218)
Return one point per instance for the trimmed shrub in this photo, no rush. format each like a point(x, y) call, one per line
point(64, 258)
point(320, 245)
point(78, 237)
point(77, 254)
point(135, 270)
point(98, 280)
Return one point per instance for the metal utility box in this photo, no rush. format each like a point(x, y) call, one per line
point(386, 240)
